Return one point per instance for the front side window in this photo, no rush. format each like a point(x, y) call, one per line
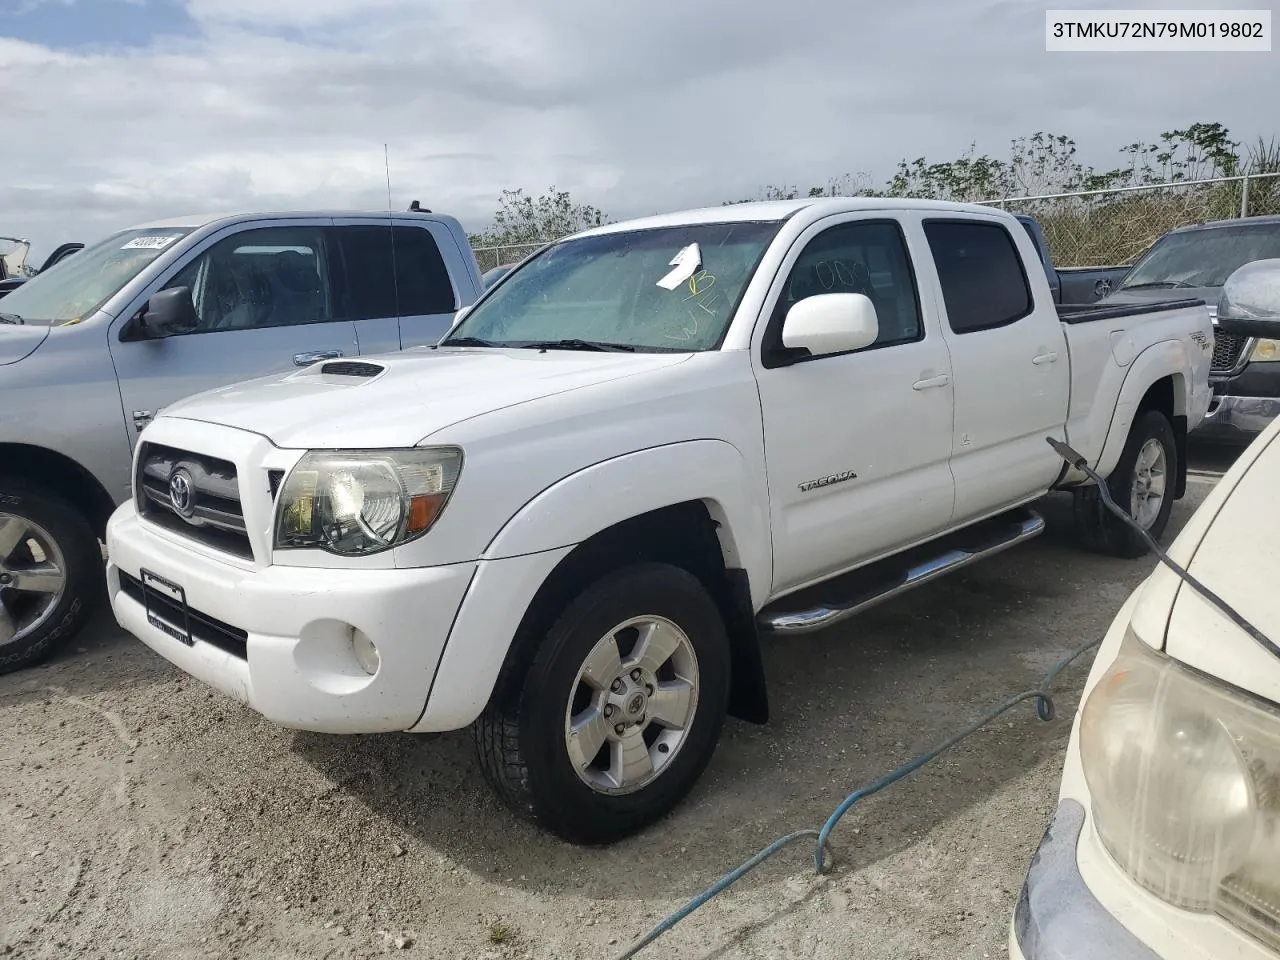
point(663, 289)
point(1203, 258)
point(869, 258)
point(983, 283)
point(271, 277)
point(76, 287)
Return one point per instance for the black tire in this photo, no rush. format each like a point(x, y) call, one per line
point(1101, 530)
point(520, 739)
point(82, 560)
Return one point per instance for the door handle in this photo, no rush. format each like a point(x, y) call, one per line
point(938, 381)
point(314, 356)
point(1044, 358)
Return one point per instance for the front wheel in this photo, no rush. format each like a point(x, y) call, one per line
point(619, 712)
point(50, 574)
point(1142, 482)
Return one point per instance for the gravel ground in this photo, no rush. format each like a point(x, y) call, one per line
point(143, 816)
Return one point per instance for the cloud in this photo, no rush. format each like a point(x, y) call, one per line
point(633, 107)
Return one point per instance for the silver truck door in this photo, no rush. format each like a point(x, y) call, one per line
point(263, 296)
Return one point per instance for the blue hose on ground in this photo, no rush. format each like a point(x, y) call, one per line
point(1044, 710)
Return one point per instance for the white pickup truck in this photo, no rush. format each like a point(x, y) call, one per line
point(570, 522)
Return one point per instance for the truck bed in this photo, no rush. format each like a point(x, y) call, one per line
point(1089, 312)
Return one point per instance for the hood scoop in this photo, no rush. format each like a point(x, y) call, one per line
point(360, 369)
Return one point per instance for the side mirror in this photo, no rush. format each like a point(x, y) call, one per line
point(831, 323)
point(169, 313)
point(1250, 300)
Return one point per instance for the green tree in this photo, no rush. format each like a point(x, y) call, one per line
point(523, 220)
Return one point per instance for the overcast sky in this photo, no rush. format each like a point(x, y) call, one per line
point(113, 112)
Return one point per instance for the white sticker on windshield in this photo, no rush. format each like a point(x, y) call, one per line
point(686, 263)
point(148, 243)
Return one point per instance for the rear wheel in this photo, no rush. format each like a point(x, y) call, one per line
point(50, 574)
point(1142, 482)
point(620, 710)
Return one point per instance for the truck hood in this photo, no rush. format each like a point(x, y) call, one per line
point(396, 400)
point(1236, 556)
point(19, 341)
point(1209, 295)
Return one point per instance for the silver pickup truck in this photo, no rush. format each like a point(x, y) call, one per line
point(93, 348)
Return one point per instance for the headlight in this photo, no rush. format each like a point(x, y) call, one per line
point(1265, 351)
point(1184, 774)
point(360, 502)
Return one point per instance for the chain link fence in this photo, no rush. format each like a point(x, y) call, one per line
point(1114, 227)
point(490, 257)
point(1092, 228)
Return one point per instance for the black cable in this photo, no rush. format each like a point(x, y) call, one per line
point(1078, 461)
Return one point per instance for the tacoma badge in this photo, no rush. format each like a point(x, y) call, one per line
point(827, 481)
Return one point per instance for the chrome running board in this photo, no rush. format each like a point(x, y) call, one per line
point(820, 606)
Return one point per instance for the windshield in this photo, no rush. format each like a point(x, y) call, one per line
point(1204, 258)
point(74, 288)
point(672, 288)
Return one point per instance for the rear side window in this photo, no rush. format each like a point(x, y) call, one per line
point(983, 283)
point(418, 285)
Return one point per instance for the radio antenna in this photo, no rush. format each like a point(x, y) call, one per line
point(395, 280)
point(386, 162)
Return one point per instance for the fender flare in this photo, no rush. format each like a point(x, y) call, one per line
point(598, 496)
point(1168, 358)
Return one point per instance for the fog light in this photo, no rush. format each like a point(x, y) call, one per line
point(366, 653)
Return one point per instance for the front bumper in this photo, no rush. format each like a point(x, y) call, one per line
point(1237, 418)
point(1058, 917)
point(279, 638)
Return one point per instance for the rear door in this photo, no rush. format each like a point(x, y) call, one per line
point(397, 281)
point(1009, 359)
point(265, 305)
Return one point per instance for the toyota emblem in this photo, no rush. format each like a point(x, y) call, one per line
point(180, 492)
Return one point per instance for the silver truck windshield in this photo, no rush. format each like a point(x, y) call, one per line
point(663, 289)
point(74, 288)
point(1204, 258)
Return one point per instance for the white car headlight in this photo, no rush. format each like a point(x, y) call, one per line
point(1265, 351)
point(1184, 774)
point(357, 502)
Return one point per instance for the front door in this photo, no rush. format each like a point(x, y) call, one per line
point(263, 299)
point(856, 444)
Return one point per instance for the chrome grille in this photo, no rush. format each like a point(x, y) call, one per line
point(193, 495)
point(1227, 348)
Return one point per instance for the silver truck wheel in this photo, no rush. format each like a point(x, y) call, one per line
point(51, 573)
point(33, 577)
point(1150, 474)
point(617, 713)
point(628, 717)
point(1142, 482)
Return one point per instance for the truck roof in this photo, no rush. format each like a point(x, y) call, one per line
point(1266, 220)
point(196, 221)
point(769, 210)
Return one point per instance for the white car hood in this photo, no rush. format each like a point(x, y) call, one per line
point(1238, 558)
point(417, 393)
point(19, 340)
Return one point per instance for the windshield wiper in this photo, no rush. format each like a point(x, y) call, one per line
point(573, 343)
point(1157, 283)
point(468, 342)
point(11, 318)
